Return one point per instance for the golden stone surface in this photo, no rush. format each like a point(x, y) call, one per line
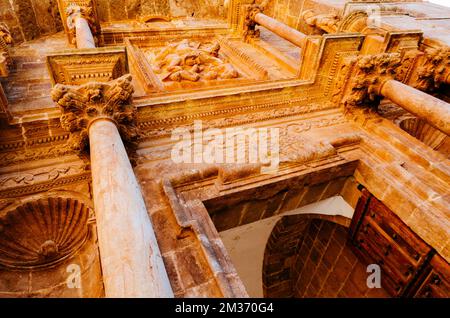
point(359, 101)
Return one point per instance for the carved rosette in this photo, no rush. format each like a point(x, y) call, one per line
point(367, 75)
point(81, 105)
point(434, 71)
point(295, 149)
point(42, 232)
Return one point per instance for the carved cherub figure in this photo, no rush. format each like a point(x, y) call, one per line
point(191, 61)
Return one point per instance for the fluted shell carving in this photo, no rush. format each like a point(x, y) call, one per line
point(42, 232)
point(421, 130)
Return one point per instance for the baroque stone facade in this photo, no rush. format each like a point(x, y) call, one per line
point(224, 148)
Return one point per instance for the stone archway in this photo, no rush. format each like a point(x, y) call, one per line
point(48, 248)
point(307, 255)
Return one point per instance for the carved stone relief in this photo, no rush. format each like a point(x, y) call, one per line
point(83, 66)
point(190, 60)
point(69, 9)
point(80, 105)
point(42, 232)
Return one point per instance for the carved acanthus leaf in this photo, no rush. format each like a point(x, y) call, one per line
point(435, 70)
point(250, 30)
point(5, 59)
point(368, 74)
point(5, 34)
point(80, 105)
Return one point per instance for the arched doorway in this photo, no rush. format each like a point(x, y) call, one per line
point(307, 255)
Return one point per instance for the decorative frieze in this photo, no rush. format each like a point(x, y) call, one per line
point(433, 70)
point(78, 67)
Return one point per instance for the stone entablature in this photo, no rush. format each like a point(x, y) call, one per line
point(76, 67)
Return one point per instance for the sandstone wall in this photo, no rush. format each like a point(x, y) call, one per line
point(326, 266)
point(111, 10)
point(30, 19)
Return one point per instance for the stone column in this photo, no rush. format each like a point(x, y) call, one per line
point(255, 16)
point(435, 111)
point(76, 22)
point(281, 29)
point(372, 77)
point(99, 116)
point(432, 69)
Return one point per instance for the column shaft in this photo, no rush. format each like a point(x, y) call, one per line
point(131, 260)
point(85, 39)
point(433, 110)
point(281, 29)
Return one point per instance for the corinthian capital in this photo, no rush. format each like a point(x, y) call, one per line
point(249, 20)
point(82, 105)
point(5, 34)
point(367, 74)
point(434, 70)
point(5, 59)
point(327, 22)
point(71, 10)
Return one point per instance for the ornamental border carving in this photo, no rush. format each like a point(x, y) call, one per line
point(45, 186)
